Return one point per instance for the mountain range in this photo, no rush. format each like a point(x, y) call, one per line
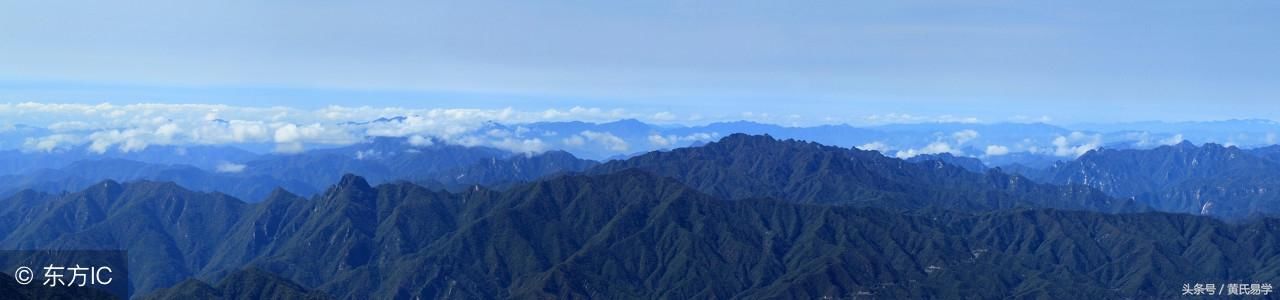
point(28, 148)
point(634, 235)
point(748, 216)
point(1211, 179)
point(383, 159)
point(743, 166)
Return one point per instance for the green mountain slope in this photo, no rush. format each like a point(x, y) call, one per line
point(637, 233)
point(743, 166)
point(1210, 179)
point(245, 284)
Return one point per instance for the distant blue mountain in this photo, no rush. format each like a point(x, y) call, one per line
point(380, 159)
point(1211, 179)
point(746, 216)
point(968, 163)
point(1034, 145)
point(1025, 159)
point(1241, 132)
point(81, 174)
point(204, 157)
point(383, 159)
point(14, 136)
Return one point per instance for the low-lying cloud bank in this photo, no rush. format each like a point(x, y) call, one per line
point(588, 132)
point(134, 127)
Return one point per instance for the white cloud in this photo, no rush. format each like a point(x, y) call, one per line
point(289, 137)
point(227, 167)
point(228, 132)
point(1076, 144)
point(167, 132)
point(287, 134)
point(659, 140)
point(420, 141)
point(585, 113)
point(1173, 140)
point(670, 140)
point(700, 136)
point(498, 133)
point(932, 148)
point(608, 140)
point(224, 124)
point(964, 136)
point(67, 126)
point(52, 142)
point(132, 127)
point(574, 141)
point(665, 116)
point(875, 146)
point(896, 118)
point(129, 140)
point(529, 146)
point(996, 150)
point(1141, 139)
point(368, 154)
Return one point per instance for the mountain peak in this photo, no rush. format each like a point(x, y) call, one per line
point(743, 137)
point(391, 119)
point(560, 154)
point(352, 189)
point(376, 121)
point(767, 141)
point(353, 181)
point(280, 193)
point(628, 121)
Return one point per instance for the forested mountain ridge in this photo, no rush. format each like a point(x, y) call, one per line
point(627, 229)
point(745, 166)
point(632, 234)
point(1210, 179)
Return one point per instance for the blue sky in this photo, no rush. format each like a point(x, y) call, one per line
point(1078, 61)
